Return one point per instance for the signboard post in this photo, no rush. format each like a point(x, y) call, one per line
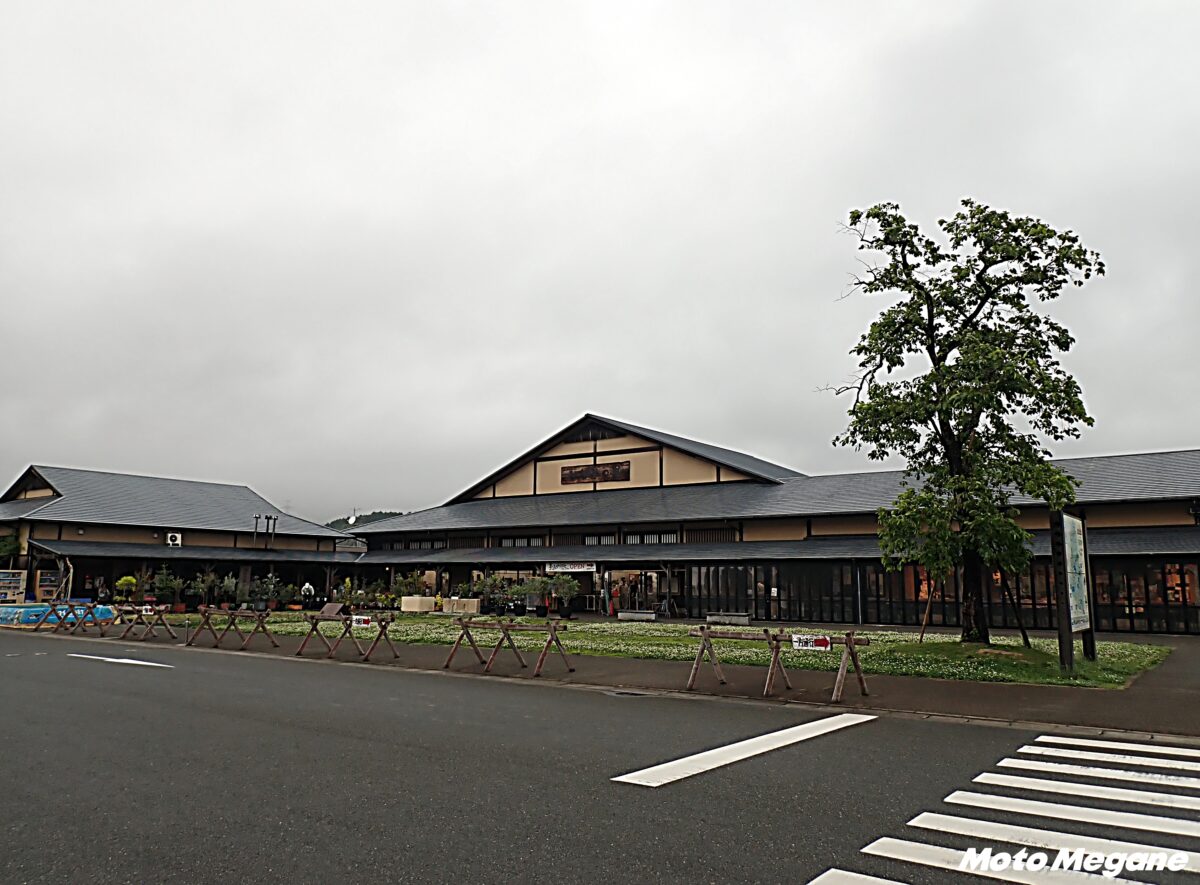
point(557, 568)
point(1072, 587)
point(803, 642)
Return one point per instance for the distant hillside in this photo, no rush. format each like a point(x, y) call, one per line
point(342, 523)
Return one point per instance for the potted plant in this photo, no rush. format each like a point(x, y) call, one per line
point(228, 591)
point(168, 588)
point(126, 587)
point(564, 588)
point(201, 587)
point(539, 588)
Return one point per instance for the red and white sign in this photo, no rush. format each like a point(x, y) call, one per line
point(362, 621)
point(801, 642)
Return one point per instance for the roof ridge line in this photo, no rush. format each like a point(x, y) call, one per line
point(207, 482)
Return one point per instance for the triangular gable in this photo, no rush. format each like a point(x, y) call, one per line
point(599, 454)
point(31, 484)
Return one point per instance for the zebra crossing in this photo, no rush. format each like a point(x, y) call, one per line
point(1057, 793)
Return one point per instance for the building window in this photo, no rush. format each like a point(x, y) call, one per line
point(599, 540)
point(711, 536)
point(652, 538)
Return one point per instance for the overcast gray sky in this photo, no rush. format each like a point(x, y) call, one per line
point(359, 254)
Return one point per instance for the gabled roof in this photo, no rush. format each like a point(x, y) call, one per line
point(1104, 479)
point(100, 497)
point(739, 461)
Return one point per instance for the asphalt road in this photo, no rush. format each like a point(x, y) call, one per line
point(228, 768)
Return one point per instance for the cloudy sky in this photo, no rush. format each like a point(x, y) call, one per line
point(358, 254)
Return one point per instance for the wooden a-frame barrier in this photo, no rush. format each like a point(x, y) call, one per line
point(775, 642)
point(507, 628)
point(208, 612)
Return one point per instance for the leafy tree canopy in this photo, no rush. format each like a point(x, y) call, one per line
point(960, 377)
point(342, 523)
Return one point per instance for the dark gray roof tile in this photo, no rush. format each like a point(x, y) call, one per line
point(1107, 479)
point(98, 497)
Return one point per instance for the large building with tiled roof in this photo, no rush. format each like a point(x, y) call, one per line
point(89, 527)
point(664, 522)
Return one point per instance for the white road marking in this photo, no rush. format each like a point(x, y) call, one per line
point(1115, 774)
point(1147, 761)
point(1099, 816)
point(986, 829)
point(844, 877)
point(122, 661)
point(678, 769)
point(1092, 791)
point(950, 858)
point(1189, 752)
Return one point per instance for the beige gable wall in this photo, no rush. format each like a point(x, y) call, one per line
point(1033, 519)
point(643, 470)
point(207, 539)
point(569, 448)
point(489, 492)
point(844, 525)
point(728, 475)
point(112, 534)
point(44, 492)
point(622, 442)
point(775, 530)
point(549, 476)
point(681, 469)
point(1152, 513)
point(519, 482)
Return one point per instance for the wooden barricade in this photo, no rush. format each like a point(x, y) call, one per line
point(775, 643)
point(335, 613)
point(507, 628)
point(135, 615)
point(208, 612)
point(70, 617)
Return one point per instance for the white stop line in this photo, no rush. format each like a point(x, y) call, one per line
point(678, 769)
point(121, 661)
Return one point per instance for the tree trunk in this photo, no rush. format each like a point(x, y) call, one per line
point(974, 615)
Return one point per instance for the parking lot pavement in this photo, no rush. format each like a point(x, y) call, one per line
point(217, 768)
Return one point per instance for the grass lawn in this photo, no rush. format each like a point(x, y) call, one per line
point(892, 652)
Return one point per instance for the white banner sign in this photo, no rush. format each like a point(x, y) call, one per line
point(801, 642)
point(361, 621)
point(559, 567)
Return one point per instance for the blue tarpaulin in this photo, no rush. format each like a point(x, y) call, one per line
point(18, 615)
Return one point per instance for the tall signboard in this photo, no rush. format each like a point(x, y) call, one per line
point(1072, 587)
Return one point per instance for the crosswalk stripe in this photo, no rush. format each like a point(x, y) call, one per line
point(1100, 816)
point(1148, 761)
point(698, 763)
point(1116, 774)
point(950, 858)
point(986, 829)
point(1189, 752)
point(845, 877)
point(1090, 791)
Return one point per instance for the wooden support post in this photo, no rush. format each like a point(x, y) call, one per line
point(841, 676)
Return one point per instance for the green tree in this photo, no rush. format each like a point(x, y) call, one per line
point(960, 377)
